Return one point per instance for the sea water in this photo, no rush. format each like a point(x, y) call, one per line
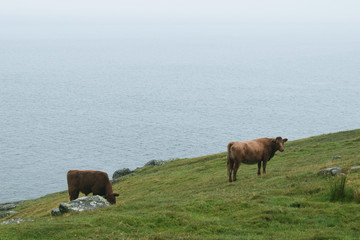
point(113, 100)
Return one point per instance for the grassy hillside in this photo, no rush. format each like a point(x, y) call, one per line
point(192, 199)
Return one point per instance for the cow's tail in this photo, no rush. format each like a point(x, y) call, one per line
point(230, 159)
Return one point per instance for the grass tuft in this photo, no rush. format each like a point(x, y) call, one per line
point(339, 191)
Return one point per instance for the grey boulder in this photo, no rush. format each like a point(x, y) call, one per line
point(7, 206)
point(121, 172)
point(155, 163)
point(55, 212)
point(81, 204)
point(332, 170)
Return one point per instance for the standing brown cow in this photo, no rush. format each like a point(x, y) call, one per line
point(87, 181)
point(252, 152)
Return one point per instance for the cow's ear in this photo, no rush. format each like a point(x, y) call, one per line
point(285, 140)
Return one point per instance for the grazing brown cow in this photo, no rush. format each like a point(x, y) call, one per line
point(87, 181)
point(252, 152)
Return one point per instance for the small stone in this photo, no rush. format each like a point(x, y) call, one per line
point(336, 157)
point(16, 220)
point(55, 212)
point(335, 170)
point(354, 168)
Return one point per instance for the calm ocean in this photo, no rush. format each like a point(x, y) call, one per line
point(118, 99)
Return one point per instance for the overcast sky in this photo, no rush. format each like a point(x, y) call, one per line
point(180, 11)
point(317, 19)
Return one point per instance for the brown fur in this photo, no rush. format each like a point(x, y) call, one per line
point(87, 181)
point(252, 152)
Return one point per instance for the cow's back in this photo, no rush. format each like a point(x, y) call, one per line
point(249, 152)
point(85, 180)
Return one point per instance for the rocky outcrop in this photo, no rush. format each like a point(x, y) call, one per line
point(337, 170)
point(8, 206)
point(331, 170)
point(5, 214)
point(5, 207)
point(81, 204)
point(155, 163)
point(121, 172)
point(126, 171)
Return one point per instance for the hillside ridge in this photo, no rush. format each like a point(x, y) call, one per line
point(192, 199)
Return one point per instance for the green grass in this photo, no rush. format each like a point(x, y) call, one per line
point(192, 199)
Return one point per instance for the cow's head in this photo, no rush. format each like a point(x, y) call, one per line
point(111, 198)
point(279, 143)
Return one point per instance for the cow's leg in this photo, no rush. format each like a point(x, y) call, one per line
point(236, 167)
point(230, 167)
point(264, 166)
point(259, 167)
point(230, 173)
point(74, 194)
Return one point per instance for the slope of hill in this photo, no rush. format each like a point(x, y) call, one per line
point(192, 199)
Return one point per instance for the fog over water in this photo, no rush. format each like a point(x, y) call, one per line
point(88, 86)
